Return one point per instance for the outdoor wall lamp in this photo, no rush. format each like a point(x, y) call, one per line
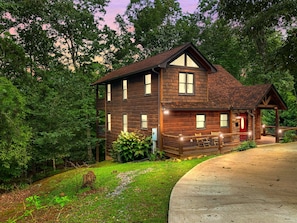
point(165, 111)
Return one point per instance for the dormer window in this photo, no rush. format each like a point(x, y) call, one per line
point(186, 83)
point(185, 61)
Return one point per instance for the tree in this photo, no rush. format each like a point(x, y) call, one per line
point(15, 135)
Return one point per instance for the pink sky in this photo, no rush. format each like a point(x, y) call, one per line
point(119, 6)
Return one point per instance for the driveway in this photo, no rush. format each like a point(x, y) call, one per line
point(255, 186)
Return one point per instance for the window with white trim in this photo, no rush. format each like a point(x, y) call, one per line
point(125, 89)
point(200, 121)
point(144, 122)
point(224, 120)
point(108, 122)
point(108, 92)
point(125, 123)
point(186, 83)
point(148, 84)
point(185, 61)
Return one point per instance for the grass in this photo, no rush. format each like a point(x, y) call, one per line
point(144, 196)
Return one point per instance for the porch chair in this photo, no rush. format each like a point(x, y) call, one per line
point(202, 142)
point(215, 140)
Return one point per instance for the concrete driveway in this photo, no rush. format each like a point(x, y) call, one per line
point(255, 186)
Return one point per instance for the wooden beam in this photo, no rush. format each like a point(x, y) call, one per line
point(266, 100)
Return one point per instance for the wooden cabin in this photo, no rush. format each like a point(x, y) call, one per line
point(180, 93)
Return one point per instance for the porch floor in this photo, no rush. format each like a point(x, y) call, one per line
point(268, 139)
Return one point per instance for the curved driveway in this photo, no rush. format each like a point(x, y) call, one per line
point(255, 186)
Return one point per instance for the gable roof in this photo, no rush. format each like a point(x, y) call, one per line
point(226, 92)
point(159, 61)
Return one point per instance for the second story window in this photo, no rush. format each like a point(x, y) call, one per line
point(108, 92)
point(125, 89)
point(186, 83)
point(147, 84)
point(125, 123)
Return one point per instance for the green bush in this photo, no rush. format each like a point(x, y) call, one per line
point(246, 145)
point(290, 136)
point(131, 146)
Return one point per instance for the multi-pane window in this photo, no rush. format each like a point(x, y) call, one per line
point(186, 83)
point(108, 92)
point(108, 122)
point(125, 123)
point(144, 123)
point(200, 121)
point(224, 120)
point(148, 84)
point(125, 89)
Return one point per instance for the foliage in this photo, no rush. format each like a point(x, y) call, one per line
point(157, 155)
point(290, 136)
point(15, 135)
point(246, 145)
point(143, 200)
point(131, 146)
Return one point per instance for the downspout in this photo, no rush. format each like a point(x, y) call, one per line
point(253, 125)
point(159, 107)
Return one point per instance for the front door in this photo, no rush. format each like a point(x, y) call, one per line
point(243, 126)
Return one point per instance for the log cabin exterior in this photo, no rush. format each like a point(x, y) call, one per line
point(179, 92)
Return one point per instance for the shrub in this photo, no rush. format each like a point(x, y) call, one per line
point(246, 145)
point(131, 146)
point(290, 136)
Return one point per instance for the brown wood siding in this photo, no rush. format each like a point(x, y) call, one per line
point(184, 122)
point(137, 104)
point(170, 85)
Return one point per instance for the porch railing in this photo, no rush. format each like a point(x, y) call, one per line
point(181, 145)
point(270, 130)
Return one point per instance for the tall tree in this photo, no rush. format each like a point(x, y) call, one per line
point(14, 133)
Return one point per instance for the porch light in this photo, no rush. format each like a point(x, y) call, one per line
point(280, 131)
point(263, 126)
point(181, 138)
point(221, 135)
point(250, 133)
point(165, 111)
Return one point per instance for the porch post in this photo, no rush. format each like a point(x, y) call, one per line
point(276, 125)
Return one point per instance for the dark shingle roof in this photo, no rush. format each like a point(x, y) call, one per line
point(226, 92)
point(159, 60)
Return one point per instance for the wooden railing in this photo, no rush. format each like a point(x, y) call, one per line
point(270, 130)
point(181, 145)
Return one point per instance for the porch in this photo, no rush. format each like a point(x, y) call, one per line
point(196, 145)
point(217, 143)
point(189, 146)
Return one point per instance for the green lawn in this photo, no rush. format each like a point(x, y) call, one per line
point(131, 192)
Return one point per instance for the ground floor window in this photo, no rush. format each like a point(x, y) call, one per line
point(224, 120)
point(200, 121)
point(144, 122)
point(108, 122)
point(125, 123)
